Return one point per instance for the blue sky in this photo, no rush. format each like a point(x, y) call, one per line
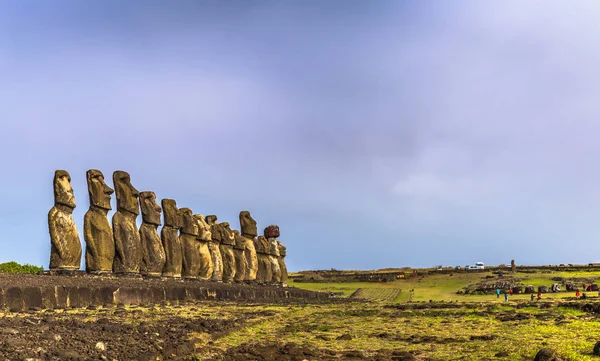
point(376, 134)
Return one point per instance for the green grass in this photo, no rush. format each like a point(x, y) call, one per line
point(440, 334)
point(443, 287)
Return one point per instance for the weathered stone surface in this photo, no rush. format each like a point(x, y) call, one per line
point(249, 232)
point(212, 263)
point(188, 236)
point(128, 246)
point(153, 252)
point(264, 273)
point(204, 229)
point(272, 231)
point(513, 266)
point(170, 239)
point(98, 234)
point(227, 253)
point(241, 264)
point(248, 225)
point(273, 260)
point(282, 266)
point(65, 246)
point(251, 259)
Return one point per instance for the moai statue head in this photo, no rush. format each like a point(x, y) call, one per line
point(227, 237)
point(261, 243)
point(211, 219)
point(281, 248)
point(238, 239)
point(204, 230)
point(63, 192)
point(272, 231)
point(150, 208)
point(171, 213)
point(98, 189)
point(127, 195)
point(188, 222)
point(248, 224)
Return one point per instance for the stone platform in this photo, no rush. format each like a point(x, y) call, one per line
point(25, 292)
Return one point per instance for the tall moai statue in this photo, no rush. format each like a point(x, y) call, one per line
point(264, 274)
point(187, 236)
point(227, 241)
point(153, 252)
point(169, 235)
point(97, 232)
point(241, 263)
point(249, 232)
point(282, 266)
point(208, 247)
point(272, 232)
point(513, 266)
point(65, 246)
point(128, 246)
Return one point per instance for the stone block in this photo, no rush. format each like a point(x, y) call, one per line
point(14, 299)
point(128, 295)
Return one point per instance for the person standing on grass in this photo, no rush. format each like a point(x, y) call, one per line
point(539, 295)
point(498, 293)
point(505, 295)
point(532, 296)
point(577, 294)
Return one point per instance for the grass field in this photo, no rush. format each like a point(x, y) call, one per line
point(443, 287)
point(469, 331)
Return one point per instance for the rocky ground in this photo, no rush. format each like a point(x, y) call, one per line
point(297, 330)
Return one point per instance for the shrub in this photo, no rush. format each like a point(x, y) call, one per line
point(14, 267)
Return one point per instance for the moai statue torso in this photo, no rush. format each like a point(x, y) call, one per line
point(264, 273)
point(65, 246)
point(249, 232)
point(274, 260)
point(153, 252)
point(241, 263)
point(169, 235)
point(282, 266)
point(226, 243)
point(187, 236)
point(98, 234)
point(271, 233)
point(128, 247)
point(212, 263)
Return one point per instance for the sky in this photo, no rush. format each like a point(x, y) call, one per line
point(374, 133)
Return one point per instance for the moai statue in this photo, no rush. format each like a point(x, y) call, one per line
point(284, 273)
point(170, 239)
point(272, 232)
point(249, 232)
point(128, 246)
point(274, 260)
point(227, 241)
point(211, 266)
point(65, 246)
point(187, 236)
point(153, 252)
point(241, 263)
point(264, 274)
point(513, 266)
point(97, 232)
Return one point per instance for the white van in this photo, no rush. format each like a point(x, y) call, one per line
point(479, 265)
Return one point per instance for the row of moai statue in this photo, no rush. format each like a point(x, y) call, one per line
point(190, 246)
